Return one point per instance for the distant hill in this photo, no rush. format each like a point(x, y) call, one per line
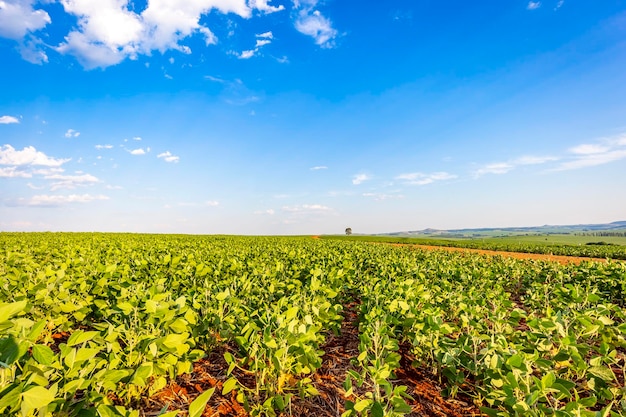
point(513, 231)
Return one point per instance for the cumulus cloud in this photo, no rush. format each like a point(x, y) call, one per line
point(71, 133)
point(109, 31)
point(168, 157)
point(27, 156)
point(592, 154)
point(418, 178)
point(100, 147)
point(45, 200)
point(18, 18)
point(139, 151)
point(533, 5)
point(5, 120)
point(247, 54)
point(360, 178)
point(264, 7)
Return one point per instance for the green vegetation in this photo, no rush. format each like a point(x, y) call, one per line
point(92, 324)
point(611, 247)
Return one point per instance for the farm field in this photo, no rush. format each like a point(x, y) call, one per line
point(610, 247)
point(177, 325)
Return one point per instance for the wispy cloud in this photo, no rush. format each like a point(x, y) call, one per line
point(45, 200)
point(262, 39)
point(14, 172)
point(71, 133)
point(60, 181)
point(269, 212)
point(383, 196)
point(6, 120)
point(602, 152)
point(168, 157)
point(533, 5)
point(499, 168)
point(419, 178)
point(99, 147)
point(360, 178)
point(318, 168)
point(311, 22)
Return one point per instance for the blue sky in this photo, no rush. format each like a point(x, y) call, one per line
point(308, 116)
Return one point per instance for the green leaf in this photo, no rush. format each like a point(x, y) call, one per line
point(35, 398)
point(43, 354)
point(229, 385)
point(80, 336)
point(602, 372)
point(377, 410)
point(10, 398)
point(198, 405)
point(362, 405)
point(9, 310)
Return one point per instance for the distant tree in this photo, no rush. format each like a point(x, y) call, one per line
point(348, 231)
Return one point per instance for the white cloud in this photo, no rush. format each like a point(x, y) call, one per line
point(592, 154)
point(262, 40)
point(27, 156)
point(168, 157)
point(319, 167)
point(18, 18)
point(533, 5)
point(58, 200)
point(31, 51)
point(495, 168)
point(71, 133)
point(109, 32)
point(104, 146)
point(382, 197)
point(418, 178)
point(499, 168)
point(307, 208)
point(269, 212)
point(247, 54)
point(70, 181)
point(311, 22)
point(360, 178)
point(559, 4)
point(589, 149)
point(263, 7)
point(14, 172)
point(212, 203)
point(137, 138)
point(5, 120)
point(139, 151)
point(214, 79)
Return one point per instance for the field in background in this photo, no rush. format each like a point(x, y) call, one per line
point(611, 247)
